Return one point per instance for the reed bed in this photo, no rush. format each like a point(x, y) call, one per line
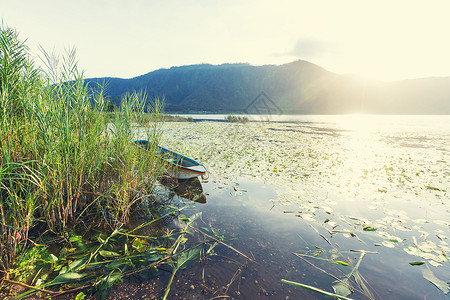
point(65, 166)
point(237, 119)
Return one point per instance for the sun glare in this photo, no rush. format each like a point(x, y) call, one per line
point(358, 122)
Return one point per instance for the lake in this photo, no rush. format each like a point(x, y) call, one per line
point(343, 203)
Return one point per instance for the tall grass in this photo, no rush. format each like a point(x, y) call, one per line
point(18, 181)
point(62, 163)
point(234, 118)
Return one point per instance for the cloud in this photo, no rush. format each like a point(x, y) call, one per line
point(308, 48)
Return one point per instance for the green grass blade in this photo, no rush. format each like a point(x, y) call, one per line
point(314, 289)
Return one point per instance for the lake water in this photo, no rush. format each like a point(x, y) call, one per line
point(301, 194)
point(417, 123)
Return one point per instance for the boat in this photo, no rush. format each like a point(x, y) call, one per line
point(179, 166)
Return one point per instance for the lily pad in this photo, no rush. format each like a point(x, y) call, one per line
point(369, 228)
point(388, 244)
point(341, 289)
point(343, 263)
point(443, 286)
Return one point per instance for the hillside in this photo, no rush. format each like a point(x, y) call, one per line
point(297, 87)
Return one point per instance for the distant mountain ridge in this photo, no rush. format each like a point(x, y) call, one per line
point(297, 87)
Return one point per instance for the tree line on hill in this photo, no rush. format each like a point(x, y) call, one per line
point(299, 87)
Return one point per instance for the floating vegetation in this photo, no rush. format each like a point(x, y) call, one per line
point(435, 254)
point(416, 263)
point(369, 228)
point(342, 286)
point(357, 184)
point(314, 289)
point(325, 175)
point(442, 285)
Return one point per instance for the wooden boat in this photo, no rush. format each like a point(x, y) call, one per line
point(179, 166)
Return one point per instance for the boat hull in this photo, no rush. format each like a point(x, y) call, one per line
point(179, 174)
point(178, 165)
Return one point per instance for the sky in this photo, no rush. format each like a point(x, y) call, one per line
point(379, 39)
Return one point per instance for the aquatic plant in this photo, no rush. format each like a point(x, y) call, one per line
point(19, 180)
point(349, 183)
point(235, 118)
point(64, 166)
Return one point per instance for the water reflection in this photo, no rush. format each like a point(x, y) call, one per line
point(190, 189)
point(271, 233)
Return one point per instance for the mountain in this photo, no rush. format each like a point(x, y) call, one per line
point(297, 87)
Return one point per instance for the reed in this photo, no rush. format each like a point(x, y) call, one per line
point(63, 163)
point(19, 181)
point(235, 118)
